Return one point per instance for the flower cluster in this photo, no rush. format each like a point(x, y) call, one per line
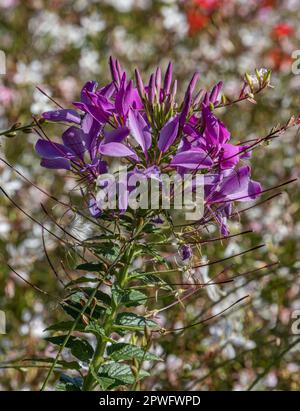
point(147, 128)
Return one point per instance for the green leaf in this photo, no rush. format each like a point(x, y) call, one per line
point(92, 266)
point(96, 329)
point(145, 248)
point(74, 303)
point(153, 279)
point(120, 373)
point(109, 250)
point(123, 351)
point(100, 295)
point(107, 382)
point(82, 280)
point(100, 237)
point(67, 383)
point(64, 326)
point(133, 298)
point(150, 228)
point(69, 365)
point(133, 321)
point(80, 348)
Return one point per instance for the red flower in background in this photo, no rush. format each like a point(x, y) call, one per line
point(198, 13)
point(197, 21)
point(278, 59)
point(267, 3)
point(282, 30)
point(210, 5)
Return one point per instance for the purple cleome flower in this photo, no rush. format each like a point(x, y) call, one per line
point(145, 126)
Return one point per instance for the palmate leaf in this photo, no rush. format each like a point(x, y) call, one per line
point(124, 352)
point(79, 347)
point(118, 374)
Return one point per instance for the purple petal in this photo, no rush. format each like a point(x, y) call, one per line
point(89, 87)
point(158, 79)
point(56, 163)
point(185, 107)
point(94, 210)
point(192, 159)
point(68, 115)
point(139, 130)
point(245, 152)
point(193, 82)
point(113, 70)
point(139, 83)
point(168, 79)
point(238, 186)
point(116, 150)
point(119, 100)
point(151, 89)
point(91, 129)
point(74, 139)
point(108, 90)
point(215, 92)
point(215, 131)
point(48, 149)
point(117, 135)
point(168, 134)
point(96, 112)
point(230, 156)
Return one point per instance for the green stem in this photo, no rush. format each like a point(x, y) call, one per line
point(13, 130)
point(122, 278)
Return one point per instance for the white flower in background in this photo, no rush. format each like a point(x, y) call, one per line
point(29, 73)
point(46, 26)
point(41, 102)
point(93, 23)
point(44, 23)
point(89, 61)
point(125, 6)
point(214, 292)
point(8, 180)
point(5, 227)
point(68, 88)
point(174, 20)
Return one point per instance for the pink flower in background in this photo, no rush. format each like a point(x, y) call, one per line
point(7, 4)
point(6, 95)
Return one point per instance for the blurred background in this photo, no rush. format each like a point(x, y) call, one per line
point(58, 45)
